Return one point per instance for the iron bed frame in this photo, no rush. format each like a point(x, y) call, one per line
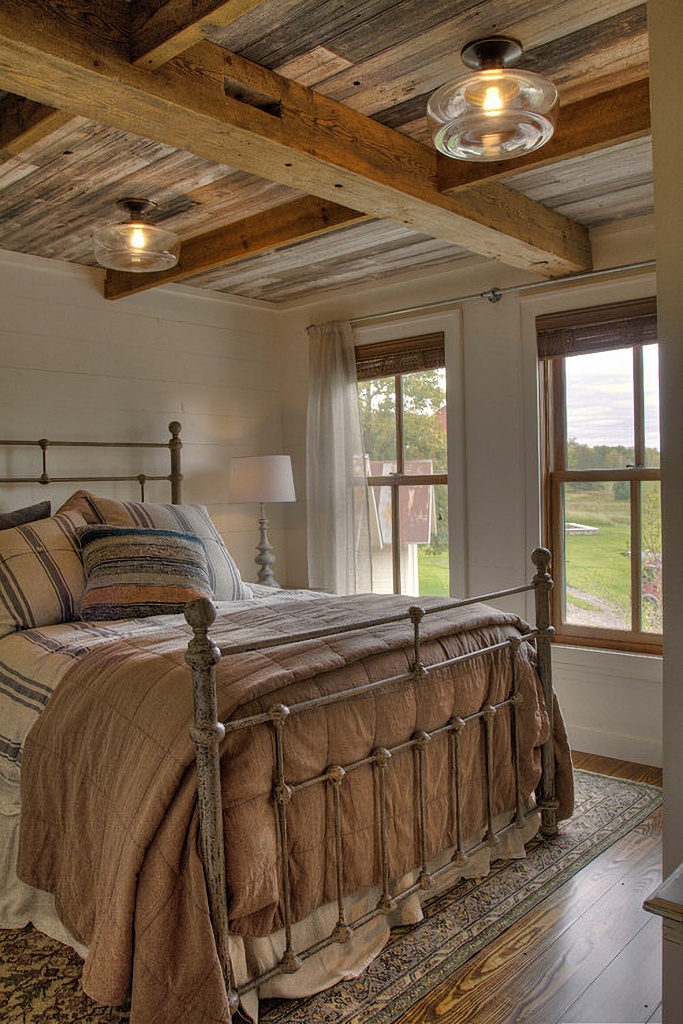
point(208, 733)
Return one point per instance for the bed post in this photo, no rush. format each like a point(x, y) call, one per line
point(547, 795)
point(202, 656)
point(176, 477)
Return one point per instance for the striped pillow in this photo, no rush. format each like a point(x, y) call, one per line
point(41, 573)
point(81, 501)
point(132, 573)
point(224, 575)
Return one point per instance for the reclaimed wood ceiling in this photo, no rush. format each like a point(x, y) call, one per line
point(286, 140)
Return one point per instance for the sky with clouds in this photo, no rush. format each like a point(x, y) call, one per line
point(600, 397)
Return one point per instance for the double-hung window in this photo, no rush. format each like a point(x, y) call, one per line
point(402, 397)
point(602, 509)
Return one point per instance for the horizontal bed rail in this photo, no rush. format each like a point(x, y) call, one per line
point(208, 734)
point(173, 445)
point(415, 612)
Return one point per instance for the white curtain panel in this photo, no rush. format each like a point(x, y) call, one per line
point(336, 492)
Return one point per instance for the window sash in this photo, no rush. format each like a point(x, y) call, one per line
point(580, 332)
point(635, 638)
point(398, 359)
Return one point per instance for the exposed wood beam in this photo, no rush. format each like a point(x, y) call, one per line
point(619, 115)
point(312, 144)
point(23, 123)
point(161, 31)
point(292, 222)
point(157, 34)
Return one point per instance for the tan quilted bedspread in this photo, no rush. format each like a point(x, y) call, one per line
point(109, 819)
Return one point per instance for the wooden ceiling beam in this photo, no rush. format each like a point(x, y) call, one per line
point(156, 34)
point(301, 219)
point(608, 119)
point(162, 31)
point(24, 122)
point(306, 141)
point(618, 116)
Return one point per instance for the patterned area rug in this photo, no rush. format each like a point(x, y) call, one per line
point(39, 979)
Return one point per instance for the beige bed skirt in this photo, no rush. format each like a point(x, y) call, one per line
point(22, 904)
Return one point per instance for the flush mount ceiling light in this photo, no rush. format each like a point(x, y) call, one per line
point(136, 245)
point(495, 111)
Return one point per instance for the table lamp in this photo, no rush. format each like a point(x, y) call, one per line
point(262, 479)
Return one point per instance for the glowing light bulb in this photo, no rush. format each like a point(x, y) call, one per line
point(137, 239)
point(492, 99)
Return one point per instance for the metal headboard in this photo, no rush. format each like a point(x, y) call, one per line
point(174, 445)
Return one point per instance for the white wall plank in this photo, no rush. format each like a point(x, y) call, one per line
point(74, 366)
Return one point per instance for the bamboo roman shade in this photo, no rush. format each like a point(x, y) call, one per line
point(387, 358)
point(598, 329)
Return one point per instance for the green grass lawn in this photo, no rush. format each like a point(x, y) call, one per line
point(433, 573)
point(598, 564)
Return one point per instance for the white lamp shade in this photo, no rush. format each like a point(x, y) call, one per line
point(261, 478)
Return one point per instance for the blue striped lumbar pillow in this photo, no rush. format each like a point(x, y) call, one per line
point(133, 573)
point(225, 578)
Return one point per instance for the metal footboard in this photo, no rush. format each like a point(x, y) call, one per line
point(208, 733)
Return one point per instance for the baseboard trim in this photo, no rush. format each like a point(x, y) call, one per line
point(623, 748)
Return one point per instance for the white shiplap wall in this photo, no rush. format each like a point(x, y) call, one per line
point(74, 366)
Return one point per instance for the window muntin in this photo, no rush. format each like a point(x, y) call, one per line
point(602, 515)
point(402, 398)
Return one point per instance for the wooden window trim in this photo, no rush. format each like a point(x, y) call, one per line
point(577, 332)
point(396, 359)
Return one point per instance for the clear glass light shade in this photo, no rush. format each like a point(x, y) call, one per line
point(493, 114)
point(136, 247)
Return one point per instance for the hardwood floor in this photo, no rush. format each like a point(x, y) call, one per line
point(588, 954)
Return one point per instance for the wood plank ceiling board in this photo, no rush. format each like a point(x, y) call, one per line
point(420, 62)
point(72, 170)
point(598, 188)
point(71, 180)
point(145, 81)
point(373, 252)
